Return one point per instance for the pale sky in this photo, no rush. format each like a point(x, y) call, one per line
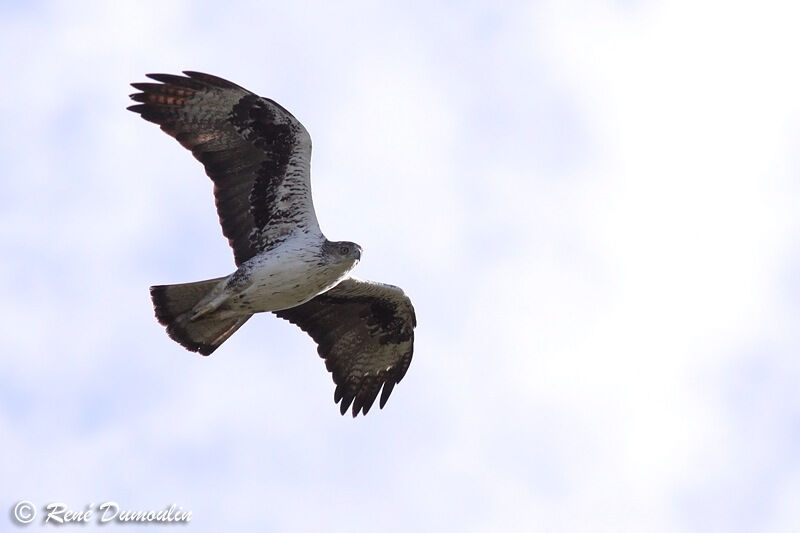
point(593, 206)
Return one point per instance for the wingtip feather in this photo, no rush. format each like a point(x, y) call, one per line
point(387, 390)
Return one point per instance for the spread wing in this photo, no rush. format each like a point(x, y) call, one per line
point(256, 153)
point(365, 333)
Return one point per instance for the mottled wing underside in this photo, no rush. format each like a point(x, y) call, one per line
point(256, 153)
point(365, 333)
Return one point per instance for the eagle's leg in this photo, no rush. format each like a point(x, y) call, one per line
point(211, 302)
point(201, 310)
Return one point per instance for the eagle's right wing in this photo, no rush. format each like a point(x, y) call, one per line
point(365, 333)
point(256, 153)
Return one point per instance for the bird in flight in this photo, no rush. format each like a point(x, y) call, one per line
point(258, 157)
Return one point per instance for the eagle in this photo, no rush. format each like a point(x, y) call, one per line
point(258, 156)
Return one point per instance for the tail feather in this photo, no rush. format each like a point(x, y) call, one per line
point(173, 305)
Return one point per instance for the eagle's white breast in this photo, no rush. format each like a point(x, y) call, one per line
point(284, 277)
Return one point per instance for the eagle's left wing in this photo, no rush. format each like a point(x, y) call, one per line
point(365, 333)
point(256, 153)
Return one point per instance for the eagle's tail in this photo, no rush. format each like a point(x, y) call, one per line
point(174, 304)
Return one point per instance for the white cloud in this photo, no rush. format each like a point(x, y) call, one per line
point(592, 207)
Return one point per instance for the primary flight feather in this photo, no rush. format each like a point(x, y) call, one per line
point(258, 156)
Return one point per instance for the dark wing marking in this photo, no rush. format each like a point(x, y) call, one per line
point(256, 153)
point(365, 333)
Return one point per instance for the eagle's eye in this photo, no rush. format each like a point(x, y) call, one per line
point(344, 250)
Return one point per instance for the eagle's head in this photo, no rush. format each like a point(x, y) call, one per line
point(343, 253)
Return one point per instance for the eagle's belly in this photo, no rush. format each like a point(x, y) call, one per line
point(278, 283)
